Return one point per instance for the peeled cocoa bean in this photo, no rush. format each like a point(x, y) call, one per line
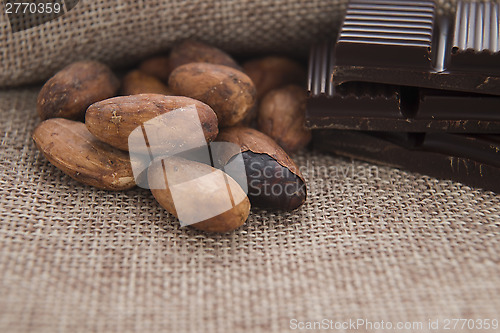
point(282, 117)
point(229, 92)
point(136, 82)
point(273, 72)
point(69, 93)
point(192, 51)
point(70, 147)
point(200, 191)
point(274, 180)
point(114, 119)
point(158, 67)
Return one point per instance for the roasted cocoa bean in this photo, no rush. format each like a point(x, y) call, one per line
point(200, 191)
point(113, 120)
point(273, 72)
point(70, 147)
point(136, 82)
point(158, 67)
point(192, 51)
point(229, 92)
point(282, 117)
point(69, 93)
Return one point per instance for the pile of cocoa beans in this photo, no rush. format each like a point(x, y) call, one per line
point(88, 115)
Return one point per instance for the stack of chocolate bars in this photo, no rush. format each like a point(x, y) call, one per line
point(406, 87)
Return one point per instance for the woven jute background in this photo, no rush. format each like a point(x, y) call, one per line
point(120, 32)
point(370, 242)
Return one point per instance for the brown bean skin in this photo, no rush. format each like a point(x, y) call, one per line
point(192, 51)
point(229, 92)
point(274, 180)
point(282, 117)
point(210, 195)
point(69, 93)
point(70, 147)
point(273, 72)
point(158, 67)
point(113, 120)
point(136, 82)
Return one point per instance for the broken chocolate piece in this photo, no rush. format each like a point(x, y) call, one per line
point(470, 159)
point(383, 107)
point(405, 43)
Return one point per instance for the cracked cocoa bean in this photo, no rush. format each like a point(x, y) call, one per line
point(274, 180)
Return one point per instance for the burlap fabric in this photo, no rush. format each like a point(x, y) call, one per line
point(119, 32)
point(372, 243)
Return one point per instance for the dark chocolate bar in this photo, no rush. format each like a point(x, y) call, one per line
point(470, 159)
point(382, 107)
point(405, 43)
